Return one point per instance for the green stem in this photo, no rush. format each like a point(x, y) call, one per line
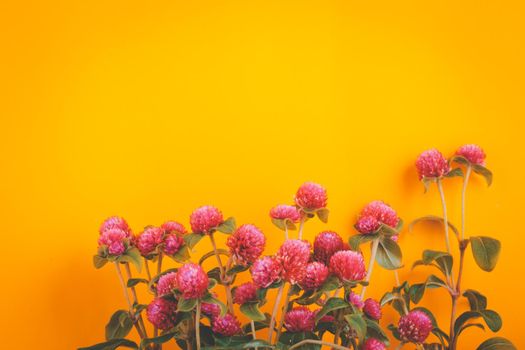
point(159, 264)
point(197, 325)
point(136, 300)
point(445, 217)
point(285, 309)
point(274, 312)
point(463, 195)
point(301, 226)
point(455, 296)
point(223, 275)
point(128, 300)
point(148, 273)
point(373, 253)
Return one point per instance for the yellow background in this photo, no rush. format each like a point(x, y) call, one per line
point(150, 109)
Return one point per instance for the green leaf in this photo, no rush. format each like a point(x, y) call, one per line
point(356, 240)
point(496, 343)
point(112, 344)
point(212, 254)
point(186, 305)
point(331, 305)
point(119, 325)
point(182, 255)
point(374, 330)
point(132, 256)
point(291, 338)
point(236, 269)
point(192, 239)
point(132, 282)
point(416, 291)
point(443, 259)
point(455, 172)
point(331, 283)
point(486, 252)
point(469, 325)
point(476, 300)
point(388, 254)
point(491, 318)
point(432, 218)
point(99, 261)
point(161, 339)
point(283, 224)
point(228, 226)
point(213, 300)
point(358, 324)
point(460, 159)
point(251, 310)
point(486, 173)
point(322, 214)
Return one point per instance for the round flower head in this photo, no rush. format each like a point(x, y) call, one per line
point(315, 275)
point(293, 256)
point(415, 326)
point(299, 319)
point(244, 293)
point(265, 271)
point(382, 212)
point(246, 244)
point(355, 299)
point(172, 243)
point(226, 326)
point(311, 196)
point(115, 240)
point(205, 218)
point(166, 284)
point(374, 344)
point(367, 224)
point(372, 309)
point(326, 244)
point(148, 241)
point(162, 313)
point(473, 153)
point(211, 310)
point(192, 281)
point(431, 164)
point(173, 227)
point(282, 212)
point(348, 265)
point(115, 222)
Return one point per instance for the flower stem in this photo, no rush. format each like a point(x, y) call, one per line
point(318, 342)
point(146, 265)
point(197, 325)
point(285, 309)
point(285, 231)
point(453, 339)
point(223, 275)
point(445, 218)
point(301, 226)
point(135, 299)
point(254, 336)
point(373, 254)
point(126, 296)
point(463, 195)
point(396, 275)
point(159, 264)
point(274, 312)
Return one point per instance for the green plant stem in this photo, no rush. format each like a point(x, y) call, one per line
point(146, 265)
point(463, 195)
point(197, 325)
point(338, 329)
point(274, 312)
point(445, 217)
point(396, 275)
point(285, 309)
point(159, 264)
point(285, 231)
point(373, 253)
point(301, 227)
point(126, 296)
point(254, 336)
point(223, 275)
point(136, 300)
point(317, 342)
point(455, 296)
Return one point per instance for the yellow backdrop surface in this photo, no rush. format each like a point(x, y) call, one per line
point(150, 109)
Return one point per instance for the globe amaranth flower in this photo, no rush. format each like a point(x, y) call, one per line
point(293, 256)
point(246, 244)
point(205, 218)
point(149, 240)
point(172, 243)
point(415, 326)
point(173, 227)
point(192, 281)
point(244, 293)
point(373, 344)
point(315, 275)
point(283, 212)
point(115, 240)
point(166, 284)
point(115, 222)
point(211, 310)
point(162, 313)
point(473, 153)
point(355, 299)
point(372, 309)
point(226, 326)
point(299, 319)
point(431, 164)
point(382, 212)
point(348, 265)
point(367, 224)
point(265, 271)
point(326, 244)
point(311, 196)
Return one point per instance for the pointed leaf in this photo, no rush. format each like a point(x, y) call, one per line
point(356, 240)
point(323, 214)
point(331, 305)
point(486, 173)
point(486, 252)
point(132, 282)
point(228, 226)
point(99, 261)
point(119, 325)
point(192, 239)
point(112, 344)
point(432, 218)
point(186, 305)
point(358, 324)
point(251, 310)
point(389, 254)
point(476, 300)
point(496, 343)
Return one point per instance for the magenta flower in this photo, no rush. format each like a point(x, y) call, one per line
point(246, 244)
point(173, 227)
point(162, 313)
point(315, 275)
point(311, 196)
point(148, 240)
point(473, 153)
point(172, 243)
point(355, 299)
point(431, 164)
point(205, 218)
point(192, 281)
point(374, 344)
point(326, 244)
point(299, 319)
point(367, 224)
point(283, 212)
point(226, 326)
point(266, 271)
point(244, 293)
point(293, 256)
point(115, 222)
point(348, 265)
point(415, 326)
point(115, 240)
point(166, 284)
point(372, 309)
point(382, 212)
point(211, 310)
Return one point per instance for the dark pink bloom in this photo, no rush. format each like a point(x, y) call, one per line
point(115, 222)
point(326, 244)
point(246, 244)
point(348, 265)
point(432, 164)
point(374, 344)
point(299, 319)
point(162, 313)
point(311, 196)
point(355, 299)
point(192, 281)
point(205, 218)
point(282, 212)
point(166, 284)
point(327, 319)
point(315, 275)
point(172, 243)
point(149, 239)
point(293, 256)
point(115, 240)
point(473, 153)
point(244, 293)
point(226, 326)
point(173, 227)
point(415, 326)
point(367, 224)
point(265, 271)
point(382, 212)
point(210, 309)
point(372, 309)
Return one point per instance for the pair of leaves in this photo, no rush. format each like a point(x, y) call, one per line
point(417, 291)
point(477, 168)
point(441, 260)
point(119, 325)
point(251, 310)
point(491, 318)
point(284, 224)
point(132, 256)
point(486, 252)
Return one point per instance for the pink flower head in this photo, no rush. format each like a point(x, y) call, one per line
point(311, 196)
point(372, 309)
point(315, 275)
point(166, 284)
point(172, 243)
point(415, 326)
point(205, 218)
point(382, 212)
point(173, 227)
point(473, 153)
point(244, 293)
point(355, 299)
point(115, 222)
point(293, 256)
point(266, 271)
point(367, 224)
point(246, 244)
point(299, 319)
point(162, 313)
point(192, 281)
point(226, 326)
point(432, 164)
point(374, 344)
point(282, 212)
point(210, 309)
point(115, 240)
point(326, 244)
point(348, 265)
point(148, 241)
